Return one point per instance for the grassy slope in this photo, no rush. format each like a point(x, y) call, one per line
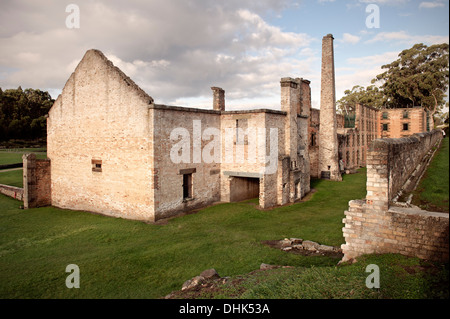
point(433, 190)
point(12, 177)
point(129, 259)
point(16, 157)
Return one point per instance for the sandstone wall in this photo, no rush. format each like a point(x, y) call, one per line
point(168, 189)
point(101, 118)
point(12, 191)
point(414, 118)
point(406, 231)
point(375, 225)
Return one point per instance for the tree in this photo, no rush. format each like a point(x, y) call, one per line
point(370, 96)
point(22, 113)
point(419, 77)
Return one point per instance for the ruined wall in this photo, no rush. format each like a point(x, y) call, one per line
point(99, 141)
point(354, 141)
point(12, 191)
point(406, 231)
point(374, 225)
point(249, 157)
point(169, 169)
point(391, 162)
point(314, 137)
point(36, 181)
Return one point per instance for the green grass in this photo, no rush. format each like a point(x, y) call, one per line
point(400, 278)
point(12, 177)
point(15, 155)
point(433, 191)
point(129, 259)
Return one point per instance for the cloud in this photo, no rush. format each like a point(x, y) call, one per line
point(174, 50)
point(431, 5)
point(406, 38)
point(349, 38)
point(374, 60)
point(387, 2)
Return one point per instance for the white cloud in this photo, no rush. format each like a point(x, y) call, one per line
point(374, 60)
point(431, 5)
point(174, 50)
point(407, 39)
point(349, 38)
point(387, 2)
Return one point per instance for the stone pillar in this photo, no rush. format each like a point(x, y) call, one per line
point(328, 144)
point(36, 181)
point(29, 181)
point(290, 103)
point(218, 98)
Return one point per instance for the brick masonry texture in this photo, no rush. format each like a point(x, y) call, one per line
point(110, 148)
point(12, 191)
point(375, 225)
point(36, 181)
point(328, 143)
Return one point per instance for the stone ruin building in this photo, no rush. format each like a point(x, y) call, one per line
point(113, 150)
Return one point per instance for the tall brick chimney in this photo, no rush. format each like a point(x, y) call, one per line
point(328, 143)
point(218, 98)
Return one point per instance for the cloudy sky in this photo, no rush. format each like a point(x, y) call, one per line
point(177, 49)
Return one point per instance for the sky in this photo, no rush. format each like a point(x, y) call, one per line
point(176, 50)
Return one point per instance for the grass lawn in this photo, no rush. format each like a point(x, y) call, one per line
point(12, 177)
point(128, 259)
point(433, 191)
point(15, 156)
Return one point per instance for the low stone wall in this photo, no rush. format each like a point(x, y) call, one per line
point(391, 162)
point(36, 181)
point(375, 225)
point(406, 231)
point(12, 191)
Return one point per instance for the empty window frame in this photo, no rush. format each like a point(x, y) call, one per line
point(405, 127)
point(385, 127)
point(405, 114)
point(313, 139)
point(187, 186)
point(96, 165)
point(241, 131)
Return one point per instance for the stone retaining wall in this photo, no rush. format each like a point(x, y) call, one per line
point(12, 191)
point(375, 225)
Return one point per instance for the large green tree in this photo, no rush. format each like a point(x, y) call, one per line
point(419, 77)
point(22, 113)
point(370, 96)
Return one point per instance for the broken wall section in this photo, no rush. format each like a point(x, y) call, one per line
point(375, 225)
point(36, 182)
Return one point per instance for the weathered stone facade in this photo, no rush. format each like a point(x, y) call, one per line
point(36, 182)
point(114, 151)
point(396, 123)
